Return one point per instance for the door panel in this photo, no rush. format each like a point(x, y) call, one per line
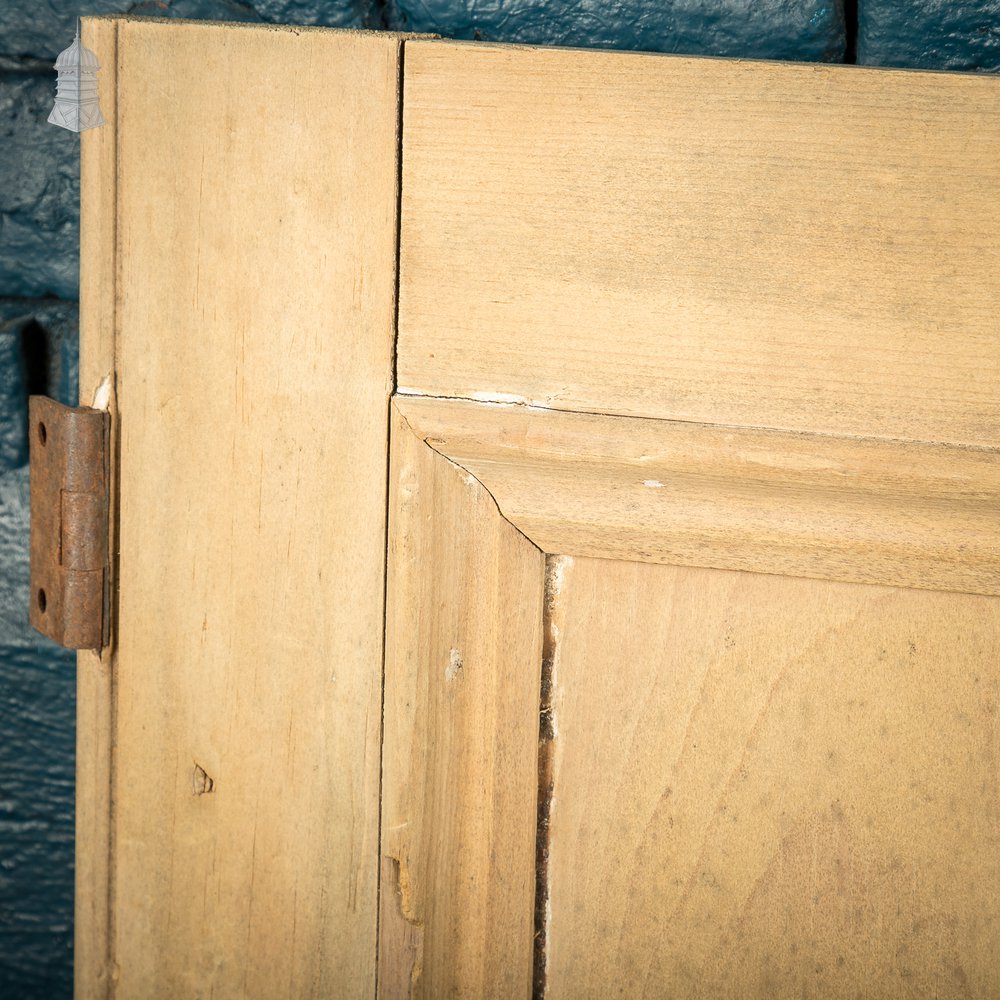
point(754, 785)
point(766, 786)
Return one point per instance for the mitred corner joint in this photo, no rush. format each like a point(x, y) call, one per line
point(69, 523)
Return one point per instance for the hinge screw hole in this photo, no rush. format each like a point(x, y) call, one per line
point(43, 434)
point(41, 600)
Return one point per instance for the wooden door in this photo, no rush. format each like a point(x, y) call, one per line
point(606, 606)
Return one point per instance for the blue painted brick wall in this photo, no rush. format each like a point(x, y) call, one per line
point(39, 193)
point(38, 347)
point(930, 34)
point(768, 29)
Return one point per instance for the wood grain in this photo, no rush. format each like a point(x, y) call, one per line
point(94, 688)
point(801, 247)
point(860, 510)
point(764, 785)
point(256, 196)
point(770, 787)
point(460, 772)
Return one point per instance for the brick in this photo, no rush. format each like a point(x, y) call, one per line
point(930, 34)
point(807, 30)
point(39, 192)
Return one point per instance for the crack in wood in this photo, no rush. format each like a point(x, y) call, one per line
point(555, 567)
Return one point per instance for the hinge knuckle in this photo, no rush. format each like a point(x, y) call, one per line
point(83, 600)
point(69, 523)
point(82, 531)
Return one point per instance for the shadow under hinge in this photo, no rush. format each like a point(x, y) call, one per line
point(69, 523)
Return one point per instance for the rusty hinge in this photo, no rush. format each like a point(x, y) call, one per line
point(69, 523)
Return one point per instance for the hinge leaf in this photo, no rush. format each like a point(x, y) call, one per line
point(69, 523)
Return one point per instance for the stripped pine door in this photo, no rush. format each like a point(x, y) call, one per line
point(555, 523)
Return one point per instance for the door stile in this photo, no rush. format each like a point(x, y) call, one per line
point(460, 741)
point(94, 870)
point(229, 775)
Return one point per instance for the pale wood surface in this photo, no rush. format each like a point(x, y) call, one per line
point(860, 510)
point(462, 675)
point(257, 192)
point(797, 248)
point(802, 247)
point(94, 691)
point(770, 787)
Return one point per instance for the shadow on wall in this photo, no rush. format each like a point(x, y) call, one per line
point(37, 683)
